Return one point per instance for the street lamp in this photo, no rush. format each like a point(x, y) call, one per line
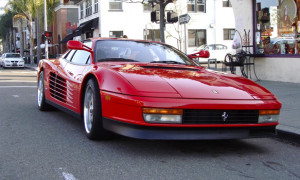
point(45, 28)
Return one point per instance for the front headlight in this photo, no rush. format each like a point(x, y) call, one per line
point(7, 61)
point(155, 115)
point(268, 116)
point(22, 61)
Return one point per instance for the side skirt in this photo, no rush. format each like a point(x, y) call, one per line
point(60, 107)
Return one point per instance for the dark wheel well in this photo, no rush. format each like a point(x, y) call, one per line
point(86, 79)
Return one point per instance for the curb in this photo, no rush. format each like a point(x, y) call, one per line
point(31, 67)
point(287, 135)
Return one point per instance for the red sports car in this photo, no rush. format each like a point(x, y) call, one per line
point(150, 90)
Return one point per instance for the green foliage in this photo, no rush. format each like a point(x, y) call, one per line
point(5, 24)
point(29, 8)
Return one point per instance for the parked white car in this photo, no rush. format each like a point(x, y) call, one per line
point(216, 51)
point(12, 60)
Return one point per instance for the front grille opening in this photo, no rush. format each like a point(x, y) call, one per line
point(196, 116)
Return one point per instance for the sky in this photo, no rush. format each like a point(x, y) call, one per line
point(2, 4)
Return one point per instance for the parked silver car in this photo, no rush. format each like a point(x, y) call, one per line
point(12, 60)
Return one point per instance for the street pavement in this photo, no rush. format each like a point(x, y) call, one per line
point(289, 95)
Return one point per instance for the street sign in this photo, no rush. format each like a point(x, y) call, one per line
point(184, 19)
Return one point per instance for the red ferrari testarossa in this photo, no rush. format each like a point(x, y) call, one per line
point(151, 90)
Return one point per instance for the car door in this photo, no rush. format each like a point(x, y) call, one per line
point(221, 52)
point(56, 79)
point(75, 71)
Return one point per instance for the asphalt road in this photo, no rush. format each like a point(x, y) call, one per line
point(50, 145)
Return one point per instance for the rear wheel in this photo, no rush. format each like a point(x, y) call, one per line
point(42, 105)
point(92, 112)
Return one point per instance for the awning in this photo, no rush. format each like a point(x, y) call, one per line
point(82, 28)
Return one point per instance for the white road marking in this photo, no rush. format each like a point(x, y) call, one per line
point(18, 87)
point(68, 176)
point(15, 96)
point(17, 81)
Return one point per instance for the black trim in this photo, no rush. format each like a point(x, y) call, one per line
point(170, 68)
point(60, 107)
point(184, 133)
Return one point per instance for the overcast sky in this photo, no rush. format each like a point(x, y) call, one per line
point(2, 4)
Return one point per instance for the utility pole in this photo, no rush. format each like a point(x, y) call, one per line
point(45, 29)
point(38, 37)
point(162, 23)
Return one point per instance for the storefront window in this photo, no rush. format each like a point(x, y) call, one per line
point(277, 27)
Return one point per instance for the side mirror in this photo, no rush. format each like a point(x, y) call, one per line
point(77, 45)
point(74, 45)
point(200, 54)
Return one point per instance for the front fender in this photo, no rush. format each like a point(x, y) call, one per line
point(111, 81)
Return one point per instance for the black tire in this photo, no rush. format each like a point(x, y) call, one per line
point(41, 102)
point(92, 112)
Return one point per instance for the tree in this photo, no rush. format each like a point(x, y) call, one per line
point(6, 26)
point(29, 9)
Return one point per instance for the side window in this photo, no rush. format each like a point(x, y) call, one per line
point(69, 55)
point(81, 57)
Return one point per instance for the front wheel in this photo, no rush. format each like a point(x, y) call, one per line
point(92, 112)
point(42, 105)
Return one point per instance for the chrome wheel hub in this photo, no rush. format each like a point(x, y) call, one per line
point(88, 109)
point(40, 90)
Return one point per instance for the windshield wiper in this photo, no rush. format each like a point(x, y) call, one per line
point(167, 62)
point(117, 59)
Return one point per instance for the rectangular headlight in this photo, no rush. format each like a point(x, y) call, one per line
point(155, 115)
point(268, 116)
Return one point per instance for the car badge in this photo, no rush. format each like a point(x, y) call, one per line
point(224, 116)
point(215, 92)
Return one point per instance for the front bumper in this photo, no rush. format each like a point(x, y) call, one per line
point(186, 133)
point(13, 64)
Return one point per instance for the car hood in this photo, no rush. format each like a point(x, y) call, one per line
point(13, 59)
point(180, 81)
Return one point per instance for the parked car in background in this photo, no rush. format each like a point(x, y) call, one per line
point(12, 60)
point(216, 51)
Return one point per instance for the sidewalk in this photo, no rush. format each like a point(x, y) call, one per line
point(31, 66)
point(289, 95)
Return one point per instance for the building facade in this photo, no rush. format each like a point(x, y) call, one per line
point(274, 37)
point(66, 20)
point(117, 18)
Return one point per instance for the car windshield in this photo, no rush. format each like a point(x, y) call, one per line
point(138, 51)
point(12, 55)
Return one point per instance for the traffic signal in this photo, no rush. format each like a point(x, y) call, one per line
point(154, 16)
point(48, 34)
point(172, 17)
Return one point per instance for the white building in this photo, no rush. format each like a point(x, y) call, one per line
point(212, 21)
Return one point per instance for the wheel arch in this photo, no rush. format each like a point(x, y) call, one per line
point(83, 85)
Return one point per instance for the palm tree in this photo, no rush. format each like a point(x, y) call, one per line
point(29, 9)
